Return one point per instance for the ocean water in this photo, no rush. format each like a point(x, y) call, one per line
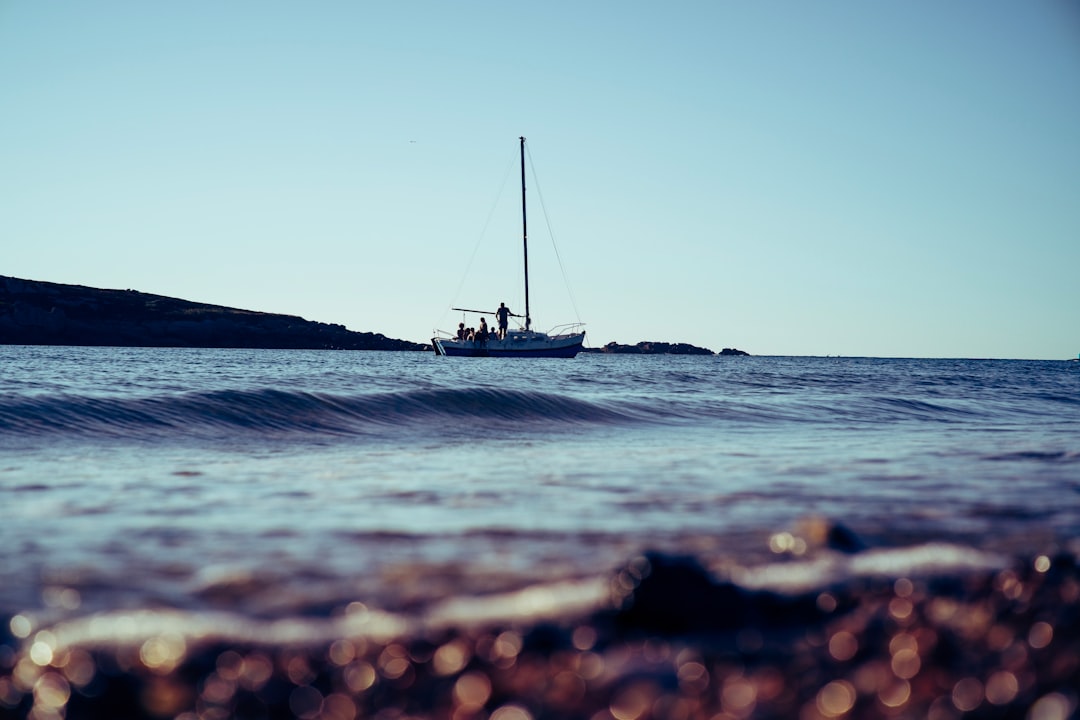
point(267, 485)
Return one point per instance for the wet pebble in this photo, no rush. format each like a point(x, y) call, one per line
point(676, 644)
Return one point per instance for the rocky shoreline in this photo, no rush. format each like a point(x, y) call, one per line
point(674, 642)
point(33, 312)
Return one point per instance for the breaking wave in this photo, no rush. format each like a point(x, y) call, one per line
point(281, 411)
point(751, 400)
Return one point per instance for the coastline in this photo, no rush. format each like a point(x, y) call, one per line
point(34, 312)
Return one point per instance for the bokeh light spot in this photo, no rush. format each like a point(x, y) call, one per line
point(1040, 635)
point(906, 663)
point(738, 696)
point(21, 627)
point(163, 653)
point(338, 707)
point(1001, 688)
point(511, 712)
point(41, 653)
point(584, 637)
point(51, 692)
point(967, 694)
point(633, 702)
point(843, 646)
point(1054, 706)
point(359, 676)
point(451, 657)
point(836, 698)
point(472, 690)
point(895, 694)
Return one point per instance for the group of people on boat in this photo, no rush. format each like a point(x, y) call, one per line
point(481, 334)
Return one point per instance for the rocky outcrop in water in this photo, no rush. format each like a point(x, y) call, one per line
point(42, 313)
point(660, 348)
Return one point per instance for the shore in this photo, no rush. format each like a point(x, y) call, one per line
point(42, 313)
point(667, 641)
point(33, 312)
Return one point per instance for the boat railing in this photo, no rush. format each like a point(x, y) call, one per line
point(567, 329)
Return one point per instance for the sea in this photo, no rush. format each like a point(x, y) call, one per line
point(274, 489)
point(281, 482)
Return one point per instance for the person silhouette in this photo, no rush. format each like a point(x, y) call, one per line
point(503, 316)
point(482, 332)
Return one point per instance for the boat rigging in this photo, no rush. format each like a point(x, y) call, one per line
point(565, 341)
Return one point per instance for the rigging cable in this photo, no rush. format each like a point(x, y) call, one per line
point(480, 239)
point(551, 234)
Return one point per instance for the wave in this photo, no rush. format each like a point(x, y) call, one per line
point(1060, 456)
point(288, 411)
point(440, 411)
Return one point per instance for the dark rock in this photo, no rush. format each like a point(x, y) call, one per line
point(843, 539)
point(652, 348)
point(546, 638)
point(675, 595)
point(42, 313)
point(734, 351)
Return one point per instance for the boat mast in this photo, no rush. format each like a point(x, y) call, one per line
point(525, 235)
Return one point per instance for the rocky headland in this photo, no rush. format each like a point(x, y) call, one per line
point(661, 348)
point(43, 313)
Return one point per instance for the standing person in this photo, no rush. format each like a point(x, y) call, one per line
point(503, 316)
point(461, 331)
point(482, 333)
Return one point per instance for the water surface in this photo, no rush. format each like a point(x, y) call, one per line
point(283, 483)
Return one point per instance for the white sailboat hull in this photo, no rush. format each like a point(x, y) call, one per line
point(520, 344)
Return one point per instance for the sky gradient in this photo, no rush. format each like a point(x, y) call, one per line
point(830, 178)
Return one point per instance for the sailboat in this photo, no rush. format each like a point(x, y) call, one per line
point(564, 341)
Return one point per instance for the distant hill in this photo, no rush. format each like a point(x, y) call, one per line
point(43, 313)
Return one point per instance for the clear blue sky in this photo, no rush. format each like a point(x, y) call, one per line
point(855, 178)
